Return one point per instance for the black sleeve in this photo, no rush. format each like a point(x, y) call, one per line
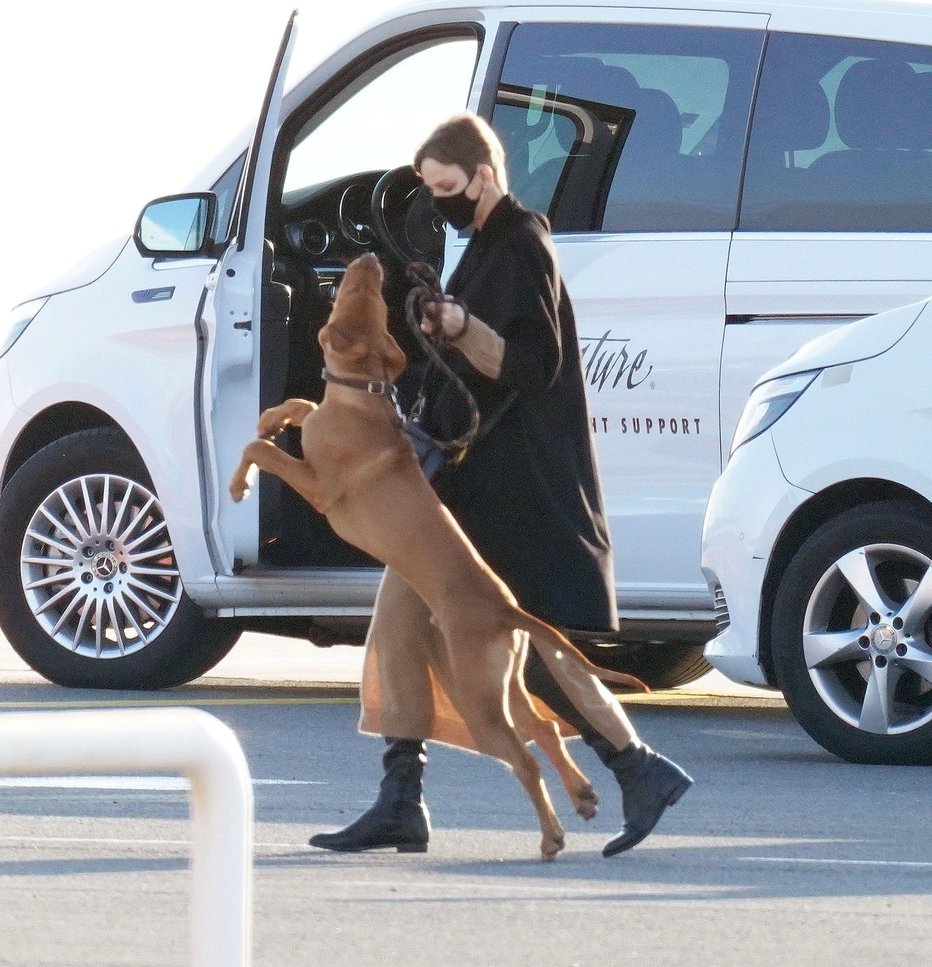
point(533, 351)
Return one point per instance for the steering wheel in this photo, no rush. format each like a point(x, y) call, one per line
point(403, 219)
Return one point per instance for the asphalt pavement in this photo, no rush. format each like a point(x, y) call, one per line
point(781, 854)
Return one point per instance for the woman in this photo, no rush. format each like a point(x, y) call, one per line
point(527, 495)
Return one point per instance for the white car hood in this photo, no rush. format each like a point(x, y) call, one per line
point(863, 339)
point(88, 270)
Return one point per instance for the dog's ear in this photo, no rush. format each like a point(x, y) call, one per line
point(335, 341)
point(393, 357)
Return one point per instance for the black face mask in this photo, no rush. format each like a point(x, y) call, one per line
point(458, 210)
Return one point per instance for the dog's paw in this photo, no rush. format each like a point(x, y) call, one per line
point(550, 845)
point(269, 429)
point(586, 801)
point(238, 491)
point(242, 483)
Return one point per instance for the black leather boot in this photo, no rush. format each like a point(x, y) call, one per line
point(649, 783)
point(398, 818)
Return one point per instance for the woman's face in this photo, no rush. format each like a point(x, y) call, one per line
point(443, 179)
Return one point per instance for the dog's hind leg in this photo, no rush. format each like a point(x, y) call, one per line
point(546, 733)
point(480, 694)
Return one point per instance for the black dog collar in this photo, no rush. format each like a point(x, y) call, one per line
point(378, 387)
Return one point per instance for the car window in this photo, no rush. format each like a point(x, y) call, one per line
point(842, 138)
point(381, 118)
point(627, 128)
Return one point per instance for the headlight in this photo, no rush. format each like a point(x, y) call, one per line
point(20, 317)
point(768, 402)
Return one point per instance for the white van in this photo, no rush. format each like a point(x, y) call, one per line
point(724, 181)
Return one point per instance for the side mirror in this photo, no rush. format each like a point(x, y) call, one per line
point(177, 226)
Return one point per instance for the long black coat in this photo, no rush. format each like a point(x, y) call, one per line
point(528, 494)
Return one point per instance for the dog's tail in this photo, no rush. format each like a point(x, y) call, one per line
point(546, 638)
point(581, 682)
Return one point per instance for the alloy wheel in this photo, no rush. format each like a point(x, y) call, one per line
point(98, 568)
point(867, 638)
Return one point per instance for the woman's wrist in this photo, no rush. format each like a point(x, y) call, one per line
point(462, 330)
point(483, 347)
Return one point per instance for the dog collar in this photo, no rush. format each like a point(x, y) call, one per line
point(378, 387)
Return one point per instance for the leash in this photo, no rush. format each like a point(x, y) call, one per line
point(426, 290)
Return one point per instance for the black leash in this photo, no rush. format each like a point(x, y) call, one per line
point(426, 290)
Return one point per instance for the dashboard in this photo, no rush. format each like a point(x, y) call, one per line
point(326, 226)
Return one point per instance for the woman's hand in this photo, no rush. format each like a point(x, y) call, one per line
point(449, 319)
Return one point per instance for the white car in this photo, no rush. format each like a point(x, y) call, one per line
point(817, 542)
point(724, 182)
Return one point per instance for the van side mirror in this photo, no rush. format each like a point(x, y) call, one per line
point(177, 226)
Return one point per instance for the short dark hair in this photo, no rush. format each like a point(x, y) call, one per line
point(468, 141)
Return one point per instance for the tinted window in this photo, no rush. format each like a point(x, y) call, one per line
point(627, 128)
point(842, 138)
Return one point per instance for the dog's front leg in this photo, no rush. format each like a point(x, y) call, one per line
point(244, 477)
point(264, 455)
point(276, 418)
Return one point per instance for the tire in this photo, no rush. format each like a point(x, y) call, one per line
point(852, 634)
point(658, 666)
point(93, 597)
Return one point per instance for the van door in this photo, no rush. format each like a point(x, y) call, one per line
point(630, 135)
point(836, 214)
point(229, 329)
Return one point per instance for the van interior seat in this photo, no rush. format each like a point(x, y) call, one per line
point(775, 182)
point(876, 117)
point(882, 171)
point(802, 129)
point(658, 128)
point(652, 174)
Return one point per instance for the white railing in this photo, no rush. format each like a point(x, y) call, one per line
point(178, 740)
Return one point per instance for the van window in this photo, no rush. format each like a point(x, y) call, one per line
point(841, 139)
point(379, 120)
point(627, 128)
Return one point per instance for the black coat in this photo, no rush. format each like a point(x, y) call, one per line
point(528, 494)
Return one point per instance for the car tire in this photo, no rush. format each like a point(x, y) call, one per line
point(94, 598)
point(658, 666)
point(851, 636)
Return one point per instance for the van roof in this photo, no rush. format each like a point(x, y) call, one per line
point(902, 21)
point(913, 7)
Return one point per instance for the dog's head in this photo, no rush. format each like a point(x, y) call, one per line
point(356, 340)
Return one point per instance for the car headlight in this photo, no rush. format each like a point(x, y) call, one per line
point(768, 402)
point(20, 317)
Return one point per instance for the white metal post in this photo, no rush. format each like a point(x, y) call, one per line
point(185, 740)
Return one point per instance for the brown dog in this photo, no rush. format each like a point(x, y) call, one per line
point(361, 472)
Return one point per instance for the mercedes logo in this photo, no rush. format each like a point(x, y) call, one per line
point(104, 566)
point(884, 639)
